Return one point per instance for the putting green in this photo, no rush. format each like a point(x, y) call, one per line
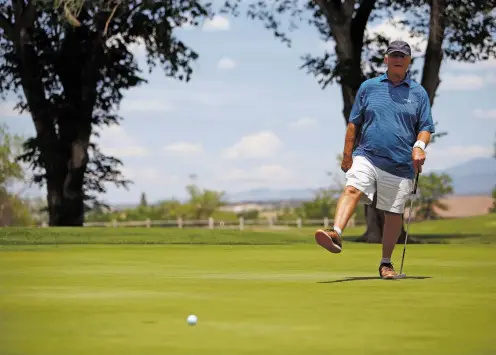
point(295, 299)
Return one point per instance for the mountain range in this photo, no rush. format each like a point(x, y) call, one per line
point(475, 177)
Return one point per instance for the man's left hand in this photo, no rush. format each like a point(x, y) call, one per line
point(418, 157)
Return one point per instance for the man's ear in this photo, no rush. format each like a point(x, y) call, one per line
point(385, 59)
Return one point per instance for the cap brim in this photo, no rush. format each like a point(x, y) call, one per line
point(399, 51)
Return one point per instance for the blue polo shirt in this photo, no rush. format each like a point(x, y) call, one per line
point(391, 116)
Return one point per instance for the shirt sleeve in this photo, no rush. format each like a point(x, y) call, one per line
point(425, 115)
point(356, 114)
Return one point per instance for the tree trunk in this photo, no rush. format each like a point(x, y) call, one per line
point(65, 194)
point(375, 226)
point(434, 51)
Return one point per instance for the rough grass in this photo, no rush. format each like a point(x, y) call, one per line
point(279, 299)
point(481, 229)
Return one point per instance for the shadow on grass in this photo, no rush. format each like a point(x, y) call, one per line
point(364, 278)
point(440, 238)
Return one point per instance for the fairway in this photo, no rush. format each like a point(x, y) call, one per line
point(265, 299)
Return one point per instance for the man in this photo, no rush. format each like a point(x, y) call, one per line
point(394, 117)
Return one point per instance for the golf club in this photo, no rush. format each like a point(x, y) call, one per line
point(401, 275)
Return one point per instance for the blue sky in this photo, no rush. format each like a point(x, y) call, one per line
point(249, 118)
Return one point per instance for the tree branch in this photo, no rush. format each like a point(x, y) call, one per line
point(359, 23)
point(29, 14)
point(7, 26)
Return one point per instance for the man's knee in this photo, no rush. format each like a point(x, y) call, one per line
point(352, 191)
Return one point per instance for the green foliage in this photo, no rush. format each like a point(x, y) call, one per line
point(10, 146)
point(249, 214)
point(469, 35)
point(201, 205)
point(432, 188)
point(203, 201)
point(71, 79)
point(143, 200)
point(13, 210)
point(323, 204)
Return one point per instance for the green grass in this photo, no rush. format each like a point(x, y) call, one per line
point(476, 230)
point(279, 299)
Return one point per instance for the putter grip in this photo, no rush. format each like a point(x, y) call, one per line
point(415, 184)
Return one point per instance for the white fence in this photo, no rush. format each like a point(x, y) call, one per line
point(210, 223)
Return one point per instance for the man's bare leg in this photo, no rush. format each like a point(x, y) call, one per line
point(346, 206)
point(392, 230)
point(331, 239)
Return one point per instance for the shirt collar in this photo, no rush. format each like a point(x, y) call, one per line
point(407, 80)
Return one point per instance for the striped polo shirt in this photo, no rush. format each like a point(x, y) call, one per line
point(391, 116)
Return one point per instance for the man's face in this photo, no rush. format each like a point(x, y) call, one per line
point(397, 63)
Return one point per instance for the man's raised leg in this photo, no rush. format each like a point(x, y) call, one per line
point(330, 239)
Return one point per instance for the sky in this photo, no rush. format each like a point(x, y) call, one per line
point(251, 118)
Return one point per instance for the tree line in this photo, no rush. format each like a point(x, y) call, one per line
point(201, 203)
point(70, 77)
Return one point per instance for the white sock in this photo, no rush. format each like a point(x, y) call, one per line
point(385, 260)
point(338, 230)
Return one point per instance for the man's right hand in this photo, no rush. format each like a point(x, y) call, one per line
point(346, 162)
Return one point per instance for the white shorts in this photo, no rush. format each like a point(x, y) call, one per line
point(392, 191)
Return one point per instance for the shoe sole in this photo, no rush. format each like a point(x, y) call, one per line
point(326, 242)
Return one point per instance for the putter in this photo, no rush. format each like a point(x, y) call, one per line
point(401, 275)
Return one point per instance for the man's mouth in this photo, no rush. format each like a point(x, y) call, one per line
point(398, 65)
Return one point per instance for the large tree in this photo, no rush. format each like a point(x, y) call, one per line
point(70, 77)
point(461, 30)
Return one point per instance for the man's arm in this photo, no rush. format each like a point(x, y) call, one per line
point(426, 128)
point(349, 140)
point(423, 139)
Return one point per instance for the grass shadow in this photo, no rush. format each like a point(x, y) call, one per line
point(364, 278)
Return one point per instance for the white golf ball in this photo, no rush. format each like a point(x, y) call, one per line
point(192, 319)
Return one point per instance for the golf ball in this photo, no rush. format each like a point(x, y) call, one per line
point(192, 319)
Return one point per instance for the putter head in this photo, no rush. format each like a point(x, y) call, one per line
point(399, 276)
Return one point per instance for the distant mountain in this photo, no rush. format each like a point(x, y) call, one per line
point(475, 177)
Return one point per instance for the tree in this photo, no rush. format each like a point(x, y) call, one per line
point(71, 80)
point(143, 201)
point(204, 202)
point(323, 204)
point(13, 211)
point(493, 208)
point(433, 187)
point(460, 30)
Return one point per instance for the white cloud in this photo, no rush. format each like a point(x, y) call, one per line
point(393, 30)
point(264, 174)
point(485, 114)
point(146, 105)
point(114, 140)
point(226, 63)
point(217, 23)
point(453, 82)
point(183, 148)
point(489, 64)
point(261, 145)
point(7, 109)
point(304, 122)
point(147, 175)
